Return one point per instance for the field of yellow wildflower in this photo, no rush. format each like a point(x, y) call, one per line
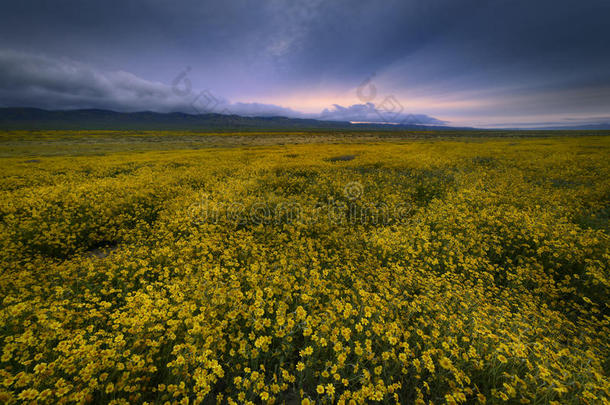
point(385, 271)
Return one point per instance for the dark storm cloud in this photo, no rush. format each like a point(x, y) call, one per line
point(466, 59)
point(64, 84)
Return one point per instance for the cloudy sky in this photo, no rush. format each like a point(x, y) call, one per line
point(486, 63)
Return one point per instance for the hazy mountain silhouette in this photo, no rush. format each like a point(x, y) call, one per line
point(96, 119)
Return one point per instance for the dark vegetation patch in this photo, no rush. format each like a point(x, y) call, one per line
point(484, 161)
point(341, 158)
point(598, 220)
point(102, 249)
point(565, 183)
point(368, 168)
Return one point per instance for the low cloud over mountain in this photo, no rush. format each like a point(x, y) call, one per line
point(44, 82)
point(54, 83)
point(388, 111)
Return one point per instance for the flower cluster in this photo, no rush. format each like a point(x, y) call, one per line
point(495, 290)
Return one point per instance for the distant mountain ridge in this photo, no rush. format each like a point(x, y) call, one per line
point(15, 118)
point(27, 118)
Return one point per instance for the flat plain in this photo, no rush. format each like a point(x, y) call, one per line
point(304, 267)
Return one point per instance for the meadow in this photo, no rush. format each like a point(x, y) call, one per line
point(304, 268)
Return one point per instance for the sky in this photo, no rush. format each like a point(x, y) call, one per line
point(483, 63)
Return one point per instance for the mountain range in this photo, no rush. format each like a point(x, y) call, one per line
point(96, 119)
point(25, 118)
